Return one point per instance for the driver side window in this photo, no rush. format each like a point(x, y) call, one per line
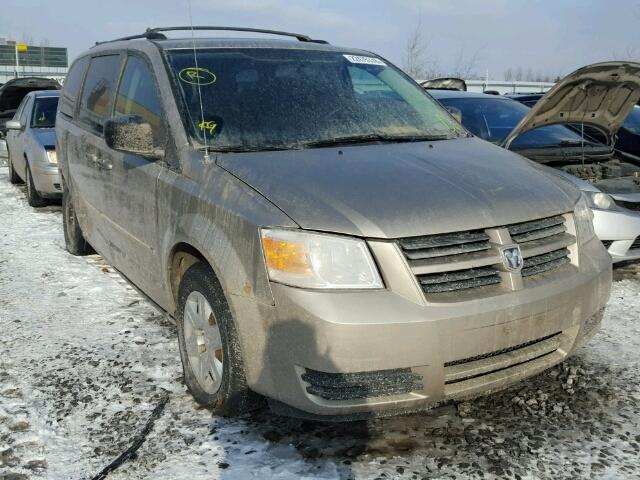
point(137, 95)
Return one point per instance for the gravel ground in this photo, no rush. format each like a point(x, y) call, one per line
point(84, 360)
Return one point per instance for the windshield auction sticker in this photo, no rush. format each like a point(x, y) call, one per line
point(365, 60)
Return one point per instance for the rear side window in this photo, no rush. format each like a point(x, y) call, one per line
point(72, 86)
point(137, 94)
point(97, 94)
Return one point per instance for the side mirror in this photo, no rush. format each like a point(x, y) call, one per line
point(456, 113)
point(130, 133)
point(13, 125)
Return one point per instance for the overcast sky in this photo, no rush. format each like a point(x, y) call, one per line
point(548, 36)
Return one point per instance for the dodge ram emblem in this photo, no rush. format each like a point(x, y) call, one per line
point(512, 258)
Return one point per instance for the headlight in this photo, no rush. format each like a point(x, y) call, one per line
point(599, 200)
point(51, 155)
point(584, 220)
point(315, 260)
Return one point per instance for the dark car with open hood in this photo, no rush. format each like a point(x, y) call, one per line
point(323, 232)
point(598, 98)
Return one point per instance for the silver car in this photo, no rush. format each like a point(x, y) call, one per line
point(600, 96)
point(31, 141)
point(322, 231)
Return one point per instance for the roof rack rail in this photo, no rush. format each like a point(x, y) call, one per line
point(156, 33)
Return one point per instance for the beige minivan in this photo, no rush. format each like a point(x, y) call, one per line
point(323, 232)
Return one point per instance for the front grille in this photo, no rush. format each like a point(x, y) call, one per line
point(537, 229)
point(459, 280)
point(635, 244)
point(431, 246)
point(469, 261)
point(545, 262)
point(354, 386)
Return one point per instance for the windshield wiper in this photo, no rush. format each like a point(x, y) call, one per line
point(355, 139)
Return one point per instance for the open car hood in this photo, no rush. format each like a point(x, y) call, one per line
point(12, 92)
point(599, 95)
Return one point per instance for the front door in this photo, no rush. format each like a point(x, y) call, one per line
point(129, 201)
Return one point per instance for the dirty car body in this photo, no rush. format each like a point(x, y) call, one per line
point(31, 142)
point(609, 178)
point(373, 263)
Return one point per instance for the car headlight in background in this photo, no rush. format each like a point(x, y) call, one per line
point(599, 200)
point(584, 220)
point(53, 158)
point(316, 260)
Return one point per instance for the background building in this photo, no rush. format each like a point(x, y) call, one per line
point(36, 61)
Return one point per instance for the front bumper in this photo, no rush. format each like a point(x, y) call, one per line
point(46, 178)
point(457, 350)
point(619, 230)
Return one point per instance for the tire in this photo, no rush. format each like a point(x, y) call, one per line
point(225, 389)
point(33, 197)
point(13, 176)
point(73, 237)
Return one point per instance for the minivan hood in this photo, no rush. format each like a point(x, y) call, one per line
point(600, 95)
point(404, 189)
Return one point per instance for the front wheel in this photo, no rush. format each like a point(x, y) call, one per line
point(73, 237)
point(33, 197)
point(209, 347)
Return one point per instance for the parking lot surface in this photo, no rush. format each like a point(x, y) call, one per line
point(85, 359)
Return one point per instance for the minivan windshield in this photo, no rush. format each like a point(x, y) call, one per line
point(44, 112)
point(272, 98)
point(493, 118)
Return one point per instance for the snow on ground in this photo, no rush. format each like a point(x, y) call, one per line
point(84, 359)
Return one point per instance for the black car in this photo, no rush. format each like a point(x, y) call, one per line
point(628, 135)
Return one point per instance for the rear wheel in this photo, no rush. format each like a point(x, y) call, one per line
point(73, 237)
point(33, 197)
point(209, 347)
point(13, 176)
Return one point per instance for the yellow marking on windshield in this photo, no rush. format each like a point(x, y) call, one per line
point(197, 76)
point(42, 117)
point(210, 125)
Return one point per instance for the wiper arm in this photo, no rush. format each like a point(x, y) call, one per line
point(355, 139)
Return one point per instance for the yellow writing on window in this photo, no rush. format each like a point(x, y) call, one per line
point(209, 125)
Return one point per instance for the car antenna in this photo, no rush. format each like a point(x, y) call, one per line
point(195, 59)
point(581, 140)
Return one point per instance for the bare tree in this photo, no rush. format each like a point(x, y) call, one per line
point(416, 62)
point(629, 53)
point(518, 77)
point(508, 75)
point(464, 65)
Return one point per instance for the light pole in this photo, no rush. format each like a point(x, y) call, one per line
point(20, 47)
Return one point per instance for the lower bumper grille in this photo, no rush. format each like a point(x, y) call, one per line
point(477, 373)
point(353, 386)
